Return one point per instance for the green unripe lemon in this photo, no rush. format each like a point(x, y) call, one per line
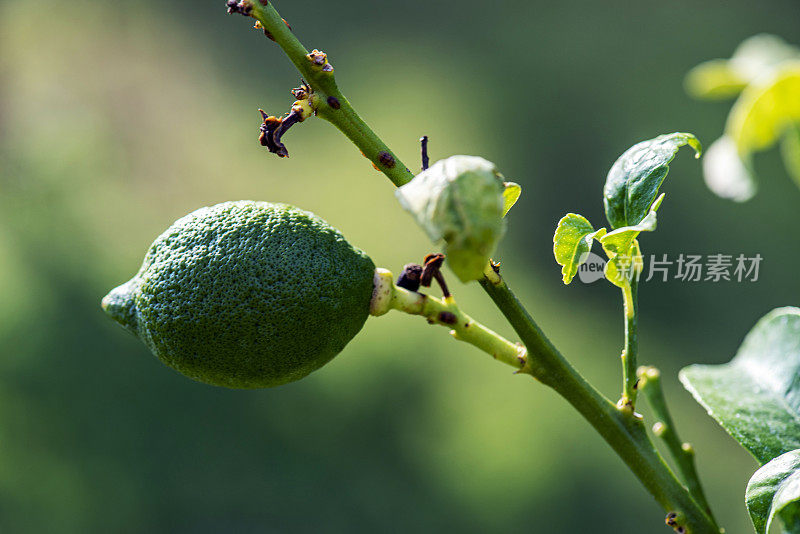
point(247, 294)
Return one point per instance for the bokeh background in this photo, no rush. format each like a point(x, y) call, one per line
point(116, 118)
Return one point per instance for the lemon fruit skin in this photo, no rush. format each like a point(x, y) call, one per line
point(247, 294)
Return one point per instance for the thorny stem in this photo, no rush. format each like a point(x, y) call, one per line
point(431, 270)
point(331, 104)
point(664, 428)
point(621, 429)
point(445, 312)
point(423, 142)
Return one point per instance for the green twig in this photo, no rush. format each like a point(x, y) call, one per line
point(623, 430)
point(331, 104)
point(631, 351)
point(664, 428)
point(620, 428)
point(445, 312)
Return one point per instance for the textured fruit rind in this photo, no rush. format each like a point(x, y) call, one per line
point(247, 294)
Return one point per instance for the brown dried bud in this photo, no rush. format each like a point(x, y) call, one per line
point(317, 57)
point(243, 7)
point(302, 92)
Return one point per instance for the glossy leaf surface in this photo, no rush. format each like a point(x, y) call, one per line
point(774, 491)
point(572, 242)
point(635, 178)
point(756, 396)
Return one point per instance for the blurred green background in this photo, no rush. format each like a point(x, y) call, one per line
point(117, 118)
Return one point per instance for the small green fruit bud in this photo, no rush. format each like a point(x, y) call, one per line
point(459, 200)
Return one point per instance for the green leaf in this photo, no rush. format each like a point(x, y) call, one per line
point(755, 57)
point(621, 268)
point(765, 110)
point(713, 80)
point(620, 240)
point(634, 179)
point(774, 491)
point(756, 396)
point(572, 242)
point(511, 194)
point(790, 151)
point(459, 200)
point(760, 54)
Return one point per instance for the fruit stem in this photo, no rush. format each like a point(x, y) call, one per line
point(445, 312)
